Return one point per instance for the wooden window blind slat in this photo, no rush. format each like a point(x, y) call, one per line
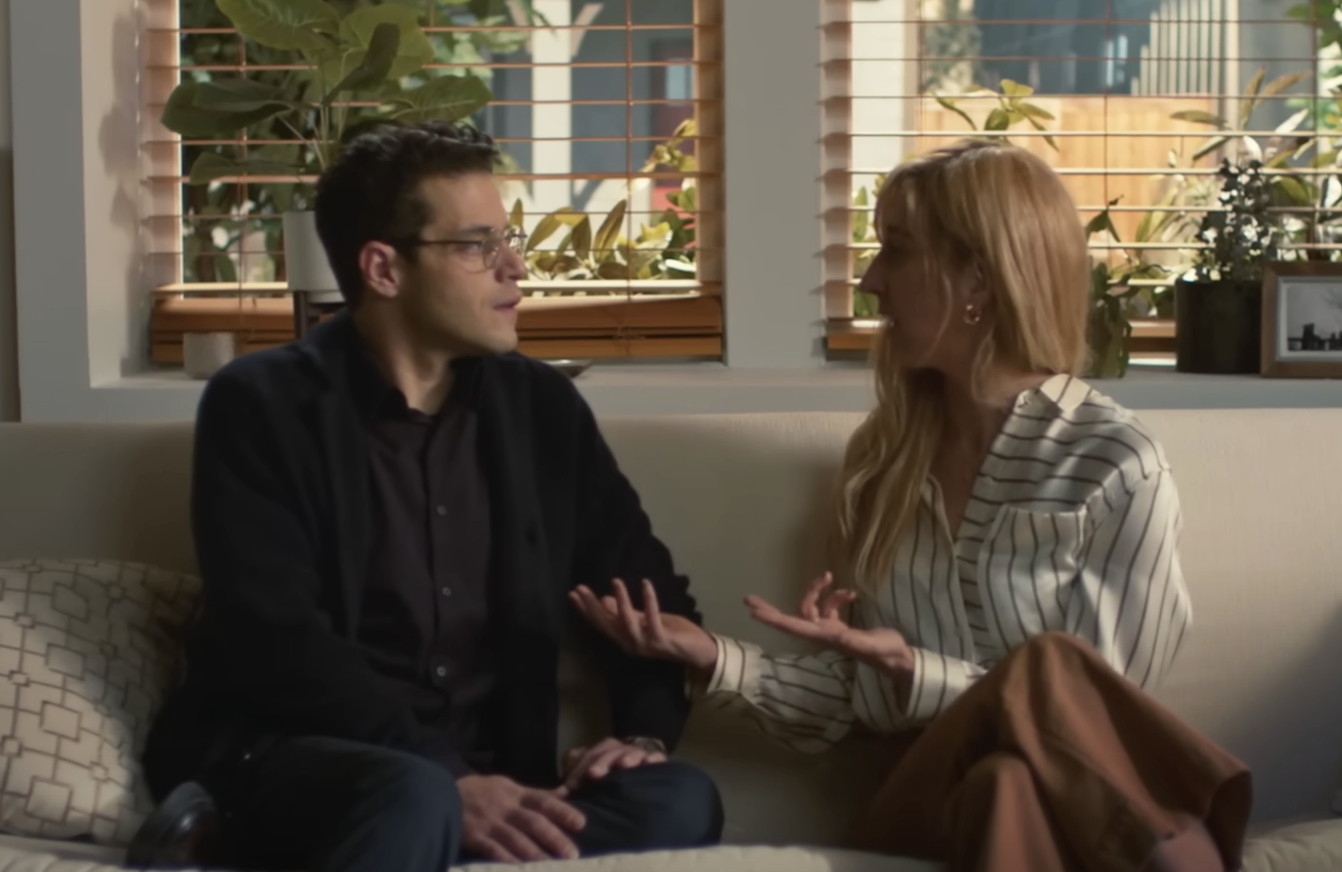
point(580, 105)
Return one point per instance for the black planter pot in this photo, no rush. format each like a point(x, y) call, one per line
point(1218, 326)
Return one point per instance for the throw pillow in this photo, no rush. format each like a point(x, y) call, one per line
point(87, 651)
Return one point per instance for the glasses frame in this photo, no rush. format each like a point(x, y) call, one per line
point(490, 247)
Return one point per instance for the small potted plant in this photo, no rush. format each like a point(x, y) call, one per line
point(1218, 303)
point(353, 66)
point(1112, 289)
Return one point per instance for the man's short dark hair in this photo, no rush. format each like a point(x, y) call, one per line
point(371, 192)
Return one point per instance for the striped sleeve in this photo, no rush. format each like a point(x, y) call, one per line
point(1131, 603)
point(937, 681)
point(803, 701)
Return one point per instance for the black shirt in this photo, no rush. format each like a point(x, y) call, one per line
point(283, 534)
point(424, 621)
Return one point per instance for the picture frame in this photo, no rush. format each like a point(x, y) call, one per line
point(1302, 319)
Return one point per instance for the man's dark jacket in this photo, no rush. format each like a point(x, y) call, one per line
point(283, 536)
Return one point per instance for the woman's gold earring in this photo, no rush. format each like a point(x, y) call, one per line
point(973, 314)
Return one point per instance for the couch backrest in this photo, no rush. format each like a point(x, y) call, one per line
point(743, 502)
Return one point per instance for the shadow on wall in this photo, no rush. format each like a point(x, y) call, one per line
point(9, 320)
point(119, 148)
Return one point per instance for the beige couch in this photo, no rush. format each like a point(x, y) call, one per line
point(742, 502)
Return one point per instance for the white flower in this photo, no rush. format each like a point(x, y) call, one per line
point(1250, 233)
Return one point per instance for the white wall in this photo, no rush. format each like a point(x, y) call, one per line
point(9, 331)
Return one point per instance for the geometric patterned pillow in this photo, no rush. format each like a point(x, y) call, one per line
point(88, 649)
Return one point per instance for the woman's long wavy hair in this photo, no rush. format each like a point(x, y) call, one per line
point(976, 205)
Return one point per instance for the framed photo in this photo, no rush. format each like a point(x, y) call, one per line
point(1302, 319)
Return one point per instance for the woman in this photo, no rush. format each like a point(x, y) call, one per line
point(1011, 537)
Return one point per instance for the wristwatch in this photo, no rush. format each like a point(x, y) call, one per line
point(647, 743)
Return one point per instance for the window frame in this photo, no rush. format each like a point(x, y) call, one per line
point(77, 187)
point(82, 326)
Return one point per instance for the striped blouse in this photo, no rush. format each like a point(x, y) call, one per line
point(1072, 524)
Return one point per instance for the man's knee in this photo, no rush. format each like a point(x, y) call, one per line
point(413, 801)
point(403, 785)
point(677, 805)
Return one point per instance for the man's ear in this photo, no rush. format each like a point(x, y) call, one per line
point(382, 268)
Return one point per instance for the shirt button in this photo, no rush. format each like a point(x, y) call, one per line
point(441, 510)
point(447, 591)
point(441, 671)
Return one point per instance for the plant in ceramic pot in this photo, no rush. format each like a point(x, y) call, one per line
point(351, 66)
point(1218, 303)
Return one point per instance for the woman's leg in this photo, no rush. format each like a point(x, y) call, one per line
point(1116, 773)
point(997, 822)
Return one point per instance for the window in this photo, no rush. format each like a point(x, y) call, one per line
point(1134, 102)
point(603, 110)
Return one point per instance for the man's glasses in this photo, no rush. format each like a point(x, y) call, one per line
point(488, 248)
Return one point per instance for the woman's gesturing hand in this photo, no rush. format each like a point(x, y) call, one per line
point(646, 632)
point(823, 622)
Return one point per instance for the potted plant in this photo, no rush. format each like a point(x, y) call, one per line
point(1112, 288)
point(352, 66)
point(1218, 303)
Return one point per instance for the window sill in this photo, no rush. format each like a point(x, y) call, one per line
point(709, 388)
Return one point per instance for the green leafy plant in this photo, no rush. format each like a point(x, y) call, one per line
point(1012, 108)
point(350, 67)
point(222, 218)
point(1112, 289)
point(664, 250)
point(1242, 235)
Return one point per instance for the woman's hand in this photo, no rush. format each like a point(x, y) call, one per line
point(647, 633)
point(882, 648)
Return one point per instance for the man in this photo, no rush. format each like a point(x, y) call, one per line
point(389, 515)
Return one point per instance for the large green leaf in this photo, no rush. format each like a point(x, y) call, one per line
point(1041, 128)
point(998, 119)
point(947, 103)
point(183, 116)
point(239, 95)
point(446, 98)
point(375, 66)
point(1210, 146)
point(563, 216)
point(290, 25)
point(614, 270)
point(1016, 89)
point(1030, 110)
point(210, 167)
point(413, 52)
point(1103, 221)
point(1200, 117)
point(582, 238)
point(1295, 191)
point(609, 231)
point(1275, 87)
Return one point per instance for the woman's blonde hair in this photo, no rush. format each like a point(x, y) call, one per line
point(975, 205)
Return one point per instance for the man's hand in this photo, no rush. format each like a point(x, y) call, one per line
point(598, 760)
point(509, 823)
point(649, 632)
